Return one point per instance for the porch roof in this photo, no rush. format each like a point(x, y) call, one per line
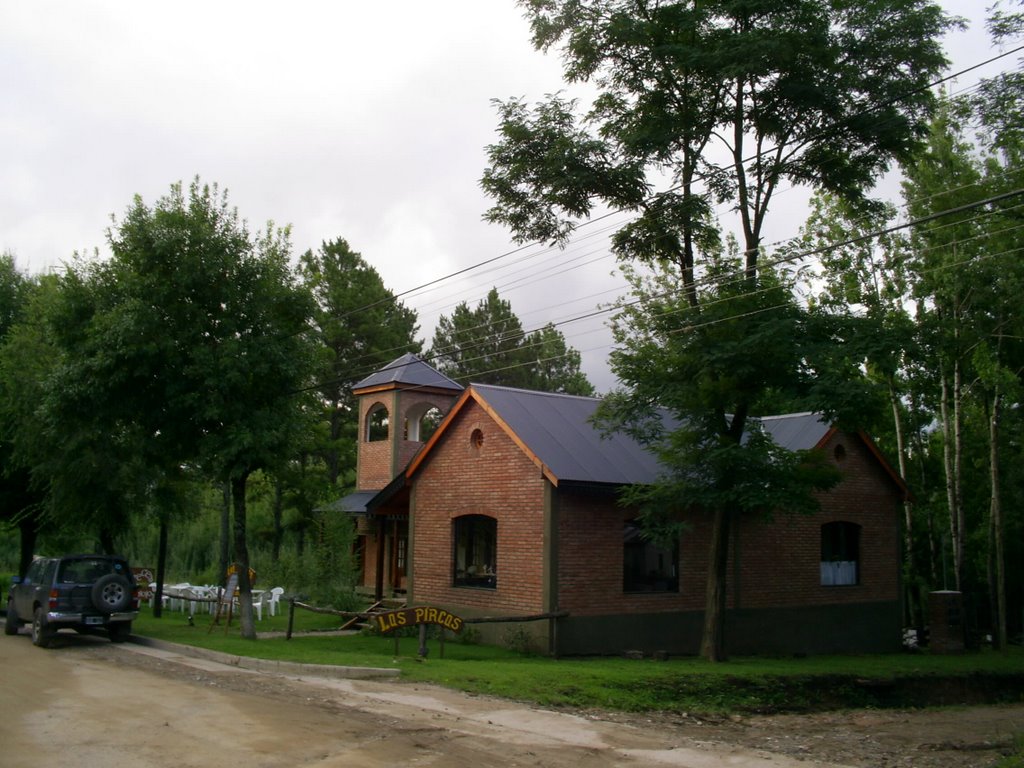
point(353, 503)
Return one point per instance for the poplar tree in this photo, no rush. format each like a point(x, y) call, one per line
point(700, 105)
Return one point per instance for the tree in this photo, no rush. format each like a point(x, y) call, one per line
point(942, 178)
point(998, 105)
point(488, 345)
point(728, 101)
point(862, 279)
point(195, 336)
point(362, 327)
point(698, 363)
point(21, 500)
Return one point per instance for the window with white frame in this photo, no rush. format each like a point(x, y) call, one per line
point(840, 554)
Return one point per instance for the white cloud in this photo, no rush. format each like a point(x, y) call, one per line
point(365, 121)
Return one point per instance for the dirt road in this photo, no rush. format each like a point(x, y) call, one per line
point(94, 704)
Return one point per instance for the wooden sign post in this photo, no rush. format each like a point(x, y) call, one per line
point(228, 596)
point(411, 617)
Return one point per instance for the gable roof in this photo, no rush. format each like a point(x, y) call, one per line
point(556, 432)
point(409, 370)
point(797, 431)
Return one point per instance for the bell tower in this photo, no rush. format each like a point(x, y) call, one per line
point(399, 407)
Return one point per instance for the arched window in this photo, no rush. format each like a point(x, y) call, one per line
point(421, 421)
point(840, 554)
point(377, 423)
point(430, 422)
point(475, 562)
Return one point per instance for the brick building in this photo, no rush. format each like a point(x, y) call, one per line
point(508, 507)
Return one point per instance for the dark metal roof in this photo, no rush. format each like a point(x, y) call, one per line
point(354, 503)
point(796, 431)
point(556, 428)
point(408, 370)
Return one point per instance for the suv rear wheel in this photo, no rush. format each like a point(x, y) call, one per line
point(41, 631)
point(13, 622)
point(111, 593)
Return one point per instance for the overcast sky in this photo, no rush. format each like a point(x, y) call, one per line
point(365, 121)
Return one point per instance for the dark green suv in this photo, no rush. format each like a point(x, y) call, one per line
point(80, 592)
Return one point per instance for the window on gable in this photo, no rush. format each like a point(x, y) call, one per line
point(475, 551)
point(840, 554)
point(646, 566)
point(377, 424)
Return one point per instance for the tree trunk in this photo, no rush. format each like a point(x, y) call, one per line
point(712, 646)
point(107, 541)
point(161, 569)
point(910, 585)
point(998, 577)
point(242, 557)
point(951, 453)
point(28, 525)
point(958, 462)
point(225, 532)
point(275, 551)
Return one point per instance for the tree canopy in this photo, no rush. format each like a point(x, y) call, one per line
point(190, 345)
point(488, 345)
point(718, 104)
point(361, 327)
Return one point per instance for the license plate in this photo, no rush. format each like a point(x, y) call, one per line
point(93, 619)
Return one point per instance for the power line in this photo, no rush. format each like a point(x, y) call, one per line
point(609, 214)
point(822, 132)
point(737, 278)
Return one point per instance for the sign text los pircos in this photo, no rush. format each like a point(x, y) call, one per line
point(425, 615)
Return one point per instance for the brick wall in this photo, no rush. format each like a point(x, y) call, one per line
point(773, 564)
point(415, 399)
point(380, 461)
point(789, 547)
point(374, 460)
point(495, 479)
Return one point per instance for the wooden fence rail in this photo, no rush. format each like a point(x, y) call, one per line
point(354, 616)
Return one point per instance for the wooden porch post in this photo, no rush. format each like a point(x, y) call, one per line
point(378, 594)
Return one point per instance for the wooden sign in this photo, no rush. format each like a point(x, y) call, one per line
point(144, 581)
point(386, 622)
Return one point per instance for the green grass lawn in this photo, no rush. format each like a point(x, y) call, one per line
point(679, 684)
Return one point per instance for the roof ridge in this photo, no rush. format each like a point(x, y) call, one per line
point(788, 415)
point(482, 385)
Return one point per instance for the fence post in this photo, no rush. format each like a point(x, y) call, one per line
point(423, 641)
point(291, 617)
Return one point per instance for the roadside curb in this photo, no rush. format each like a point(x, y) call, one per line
point(269, 665)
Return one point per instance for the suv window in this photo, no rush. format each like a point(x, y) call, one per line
point(35, 571)
point(87, 570)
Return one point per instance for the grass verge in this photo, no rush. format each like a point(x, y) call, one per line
point(681, 684)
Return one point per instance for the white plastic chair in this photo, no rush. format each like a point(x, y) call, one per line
point(188, 596)
point(173, 596)
point(257, 604)
point(275, 598)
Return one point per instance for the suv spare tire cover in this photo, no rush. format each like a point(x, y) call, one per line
point(111, 593)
